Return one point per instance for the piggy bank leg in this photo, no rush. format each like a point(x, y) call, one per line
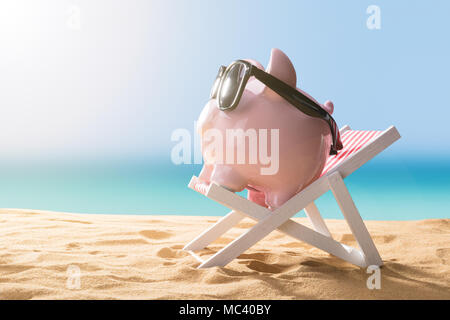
point(257, 197)
point(276, 199)
point(228, 178)
point(205, 174)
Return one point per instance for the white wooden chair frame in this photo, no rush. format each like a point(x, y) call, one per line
point(279, 219)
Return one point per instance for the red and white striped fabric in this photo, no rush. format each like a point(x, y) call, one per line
point(353, 140)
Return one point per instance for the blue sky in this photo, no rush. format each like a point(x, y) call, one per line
point(134, 71)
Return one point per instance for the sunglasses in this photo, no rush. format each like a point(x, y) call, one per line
point(231, 81)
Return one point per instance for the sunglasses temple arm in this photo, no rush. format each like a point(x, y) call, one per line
point(292, 95)
point(295, 97)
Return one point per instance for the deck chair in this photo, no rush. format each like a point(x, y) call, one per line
point(359, 147)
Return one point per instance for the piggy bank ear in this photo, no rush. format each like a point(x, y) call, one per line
point(328, 106)
point(281, 67)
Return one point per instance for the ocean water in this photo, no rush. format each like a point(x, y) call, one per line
point(386, 188)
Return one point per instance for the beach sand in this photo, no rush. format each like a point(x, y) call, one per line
point(140, 257)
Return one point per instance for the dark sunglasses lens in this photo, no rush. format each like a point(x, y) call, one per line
point(231, 84)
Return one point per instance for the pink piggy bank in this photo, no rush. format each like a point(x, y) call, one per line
point(265, 144)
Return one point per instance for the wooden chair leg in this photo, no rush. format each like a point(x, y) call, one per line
point(313, 214)
point(214, 232)
point(354, 219)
